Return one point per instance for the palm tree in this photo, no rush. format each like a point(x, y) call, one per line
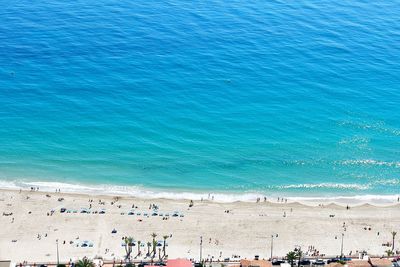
point(138, 247)
point(393, 236)
point(291, 257)
point(85, 262)
point(299, 255)
point(148, 248)
point(128, 247)
point(154, 235)
point(154, 248)
point(165, 243)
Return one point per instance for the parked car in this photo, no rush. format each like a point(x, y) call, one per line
point(319, 262)
point(332, 260)
point(305, 262)
point(338, 259)
point(277, 262)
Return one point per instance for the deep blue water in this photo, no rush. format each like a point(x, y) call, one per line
point(275, 97)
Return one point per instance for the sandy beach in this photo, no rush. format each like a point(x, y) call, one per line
point(31, 222)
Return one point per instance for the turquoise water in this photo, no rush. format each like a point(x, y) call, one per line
point(299, 98)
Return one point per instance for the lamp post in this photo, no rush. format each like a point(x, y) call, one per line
point(299, 254)
point(201, 248)
point(58, 255)
point(272, 244)
point(341, 247)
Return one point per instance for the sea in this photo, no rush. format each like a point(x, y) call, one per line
point(181, 99)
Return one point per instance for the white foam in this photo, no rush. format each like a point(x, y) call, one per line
point(135, 191)
point(329, 185)
point(140, 192)
point(372, 162)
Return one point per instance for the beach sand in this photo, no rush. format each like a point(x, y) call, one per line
point(30, 233)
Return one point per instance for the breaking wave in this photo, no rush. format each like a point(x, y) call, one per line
point(141, 192)
point(371, 162)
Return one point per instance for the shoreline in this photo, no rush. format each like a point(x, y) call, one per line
point(220, 197)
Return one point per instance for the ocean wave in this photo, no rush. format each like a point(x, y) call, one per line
point(358, 140)
point(328, 185)
point(371, 162)
point(134, 191)
point(223, 197)
point(376, 126)
point(388, 182)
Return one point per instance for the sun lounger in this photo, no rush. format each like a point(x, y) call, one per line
point(84, 210)
point(85, 244)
